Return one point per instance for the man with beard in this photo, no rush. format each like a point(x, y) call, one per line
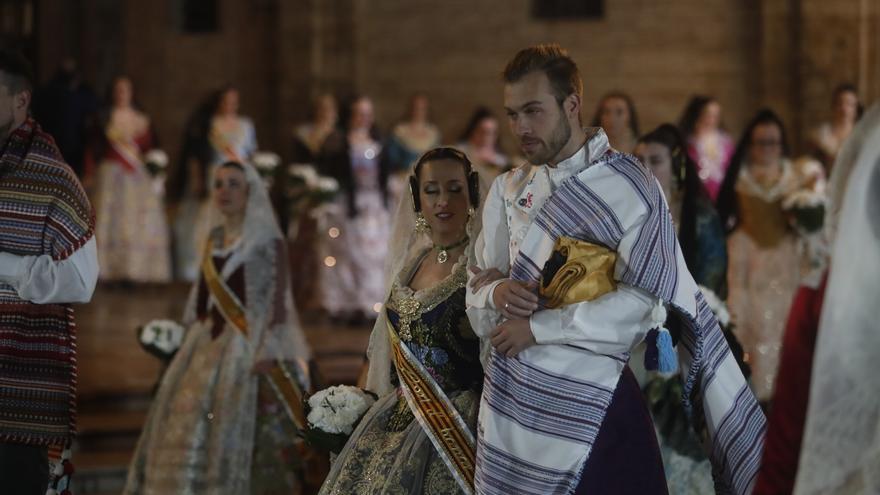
point(47, 261)
point(576, 264)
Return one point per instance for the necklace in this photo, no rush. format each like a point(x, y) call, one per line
point(443, 254)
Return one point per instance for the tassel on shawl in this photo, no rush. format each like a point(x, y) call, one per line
point(660, 354)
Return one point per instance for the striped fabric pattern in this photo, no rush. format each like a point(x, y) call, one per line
point(43, 211)
point(544, 402)
point(518, 475)
point(636, 222)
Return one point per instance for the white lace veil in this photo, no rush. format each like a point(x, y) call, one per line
point(275, 329)
point(403, 245)
point(841, 448)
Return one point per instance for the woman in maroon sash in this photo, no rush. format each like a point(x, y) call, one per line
point(221, 422)
point(131, 228)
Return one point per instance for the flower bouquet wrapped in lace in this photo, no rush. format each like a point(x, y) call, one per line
point(266, 163)
point(806, 204)
point(334, 413)
point(156, 162)
point(307, 191)
point(161, 338)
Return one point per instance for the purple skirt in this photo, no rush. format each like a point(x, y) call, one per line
point(626, 457)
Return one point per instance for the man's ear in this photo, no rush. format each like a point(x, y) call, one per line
point(22, 100)
point(572, 105)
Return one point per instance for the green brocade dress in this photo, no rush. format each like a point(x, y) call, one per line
point(389, 452)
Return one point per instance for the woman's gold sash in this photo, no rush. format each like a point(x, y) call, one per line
point(436, 414)
point(282, 380)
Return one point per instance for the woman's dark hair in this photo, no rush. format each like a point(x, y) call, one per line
point(848, 88)
point(410, 104)
point(233, 164)
point(98, 127)
point(445, 153)
point(195, 143)
point(691, 115)
point(480, 114)
point(345, 114)
point(684, 173)
point(728, 208)
point(630, 106)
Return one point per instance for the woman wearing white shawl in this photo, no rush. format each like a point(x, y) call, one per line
point(216, 424)
point(424, 357)
point(840, 453)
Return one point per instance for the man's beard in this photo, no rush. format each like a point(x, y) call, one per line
point(554, 144)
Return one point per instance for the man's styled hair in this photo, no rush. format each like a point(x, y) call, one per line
point(551, 59)
point(15, 71)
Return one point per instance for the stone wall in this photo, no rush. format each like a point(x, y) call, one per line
point(787, 54)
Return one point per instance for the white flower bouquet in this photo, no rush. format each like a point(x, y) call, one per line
point(266, 162)
point(334, 413)
point(805, 205)
point(307, 189)
point(161, 338)
point(156, 162)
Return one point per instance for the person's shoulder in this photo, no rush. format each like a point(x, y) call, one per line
point(46, 152)
point(626, 165)
point(622, 182)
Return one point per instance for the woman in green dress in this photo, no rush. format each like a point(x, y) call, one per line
point(424, 358)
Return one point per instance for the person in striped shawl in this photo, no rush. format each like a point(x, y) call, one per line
point(47, 261)
point(584, 240)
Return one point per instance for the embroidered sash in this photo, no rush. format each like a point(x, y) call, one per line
point(281, 379)
point(435, 413)
point(125, 151)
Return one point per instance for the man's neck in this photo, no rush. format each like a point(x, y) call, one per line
point(575, 142)
point(6, 130)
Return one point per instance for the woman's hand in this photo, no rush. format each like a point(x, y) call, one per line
point(515, 300)
point(483, 278)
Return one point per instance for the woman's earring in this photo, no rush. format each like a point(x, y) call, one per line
point(468, 227)
point(422, 226)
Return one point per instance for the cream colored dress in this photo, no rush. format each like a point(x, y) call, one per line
point(763, 273)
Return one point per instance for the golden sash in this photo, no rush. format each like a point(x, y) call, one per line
point(280, 378)
point(435, 413)
point(587, 273)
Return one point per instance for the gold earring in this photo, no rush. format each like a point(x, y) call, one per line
point(469, 225)
point(422, 226)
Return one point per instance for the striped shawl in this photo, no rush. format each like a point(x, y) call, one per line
point(43, 211)
point(616, 203)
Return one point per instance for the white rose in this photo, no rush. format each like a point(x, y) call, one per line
point(266, 160)
point(157, 157)
point(327, 184)
point(306, 172)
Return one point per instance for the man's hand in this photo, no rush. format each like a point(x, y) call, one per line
point(483, 278)
point(512, 337)
point(515, 299)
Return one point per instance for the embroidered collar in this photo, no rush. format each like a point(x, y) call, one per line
point(747, 183)
point(597, 145)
